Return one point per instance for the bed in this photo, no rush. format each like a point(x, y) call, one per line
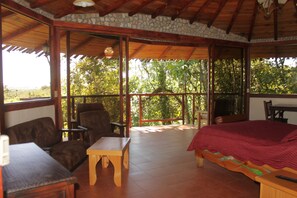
point(253, 148)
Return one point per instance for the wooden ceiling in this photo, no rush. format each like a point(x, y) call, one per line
point(241, 17)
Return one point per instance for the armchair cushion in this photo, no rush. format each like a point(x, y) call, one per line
point(98, 125)
point(43, 132)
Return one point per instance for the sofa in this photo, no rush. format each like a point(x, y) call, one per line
point(43, 132)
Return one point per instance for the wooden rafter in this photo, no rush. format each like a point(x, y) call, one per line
point(142, 5)
point(191, 53)
point(137, 51)
point(238, 7)
point(178, 12)
point(161, 9)
point(21, 31)
point(113, 7)
point(81, 44)
point(253, 20)
point(7, 13)
point(66, 11)
point(221, 6)
point(295, 5)
point(39, 3)
point(167, 49)
point(195, 17)
point(275, 21)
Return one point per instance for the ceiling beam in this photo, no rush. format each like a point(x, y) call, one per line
point(221, 6)
point(142, 5)
point(275, 21)
point(234, 16)
point(113, 7)
point(66, 11)
point(191, 53)
point(40, 3)
point(253, 20)
point(137, 51)
point(195, 17)
point(167, 49)
point(295, 5)
point(21, 31)
point(160, 10)
point(81, 44)
point(7, 13)
point(178, 12)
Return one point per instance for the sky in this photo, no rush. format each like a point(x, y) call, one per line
point(22, 70)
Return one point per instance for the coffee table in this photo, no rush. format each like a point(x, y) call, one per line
point(113, 149)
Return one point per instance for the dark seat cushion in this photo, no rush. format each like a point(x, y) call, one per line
point(98, 125)
point(69, 153)
point(41, 131)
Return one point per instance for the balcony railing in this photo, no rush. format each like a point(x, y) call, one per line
point(147, 108)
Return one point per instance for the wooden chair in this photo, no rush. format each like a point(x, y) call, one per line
point(96, 121)
point(202, 118)
point(278, 116)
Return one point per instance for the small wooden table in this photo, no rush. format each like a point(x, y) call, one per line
point(282, 107)
point(109, 149)
point(272, 187)
point(33, 173)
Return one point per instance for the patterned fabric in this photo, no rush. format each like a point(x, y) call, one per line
point(261, 142)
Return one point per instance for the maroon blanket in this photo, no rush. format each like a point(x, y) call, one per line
point(261, 142)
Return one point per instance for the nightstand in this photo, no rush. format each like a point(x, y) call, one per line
point(272, 187)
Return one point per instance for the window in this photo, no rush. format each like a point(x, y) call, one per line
point(26, 64)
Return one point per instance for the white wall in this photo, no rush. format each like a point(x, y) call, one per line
point(15, 117)
point(257, 108)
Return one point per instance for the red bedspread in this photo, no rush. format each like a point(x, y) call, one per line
point(261, 142)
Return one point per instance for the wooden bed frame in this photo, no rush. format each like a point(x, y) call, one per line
point(247, 168)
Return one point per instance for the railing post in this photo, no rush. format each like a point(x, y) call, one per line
point(140, 111)
point(193, 109)
point(183, 108)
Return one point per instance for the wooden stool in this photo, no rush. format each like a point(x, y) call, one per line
point(109, 149)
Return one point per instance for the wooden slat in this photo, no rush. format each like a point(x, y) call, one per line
point(21, 31)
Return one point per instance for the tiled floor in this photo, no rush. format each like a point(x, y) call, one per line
point(161, 167)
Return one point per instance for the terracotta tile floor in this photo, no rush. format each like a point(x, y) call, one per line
point(161, 167)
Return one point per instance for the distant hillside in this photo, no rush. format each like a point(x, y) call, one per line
point(17, 95)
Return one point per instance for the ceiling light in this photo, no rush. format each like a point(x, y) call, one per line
point(84, 3)
point(268, 6)
point(108, 52)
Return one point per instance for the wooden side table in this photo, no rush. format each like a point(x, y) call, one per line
point(272, 187)
point(109, 149)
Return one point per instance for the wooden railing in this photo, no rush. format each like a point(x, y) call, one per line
point(179, 105)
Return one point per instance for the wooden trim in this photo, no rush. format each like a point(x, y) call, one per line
point(273, 95)
point(2, 117)
point(25, 11)
point(144, 35)
point(26, 105)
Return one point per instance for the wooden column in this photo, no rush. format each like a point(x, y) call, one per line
point(121, 80)
point(68, 55)
point(2, 117)
point(128, 102)
point(55, 73)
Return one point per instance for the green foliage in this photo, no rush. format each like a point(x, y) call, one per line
point(270, 76)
